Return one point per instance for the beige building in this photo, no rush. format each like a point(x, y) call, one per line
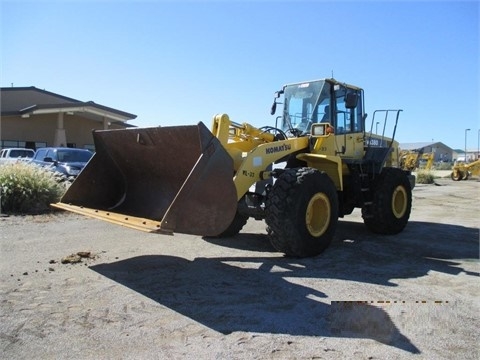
point(35, 118)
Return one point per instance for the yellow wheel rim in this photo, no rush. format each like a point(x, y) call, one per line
point(318, 214)
point(455, 175)
point(399, 202)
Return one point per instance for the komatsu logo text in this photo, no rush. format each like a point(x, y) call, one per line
point(280, 148)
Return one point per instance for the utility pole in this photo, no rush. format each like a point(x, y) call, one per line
point(466, 130)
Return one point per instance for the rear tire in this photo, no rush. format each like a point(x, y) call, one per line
point(302, 212)
point(392, 203)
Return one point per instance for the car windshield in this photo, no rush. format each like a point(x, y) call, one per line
point(305, 104)
point(73, 156)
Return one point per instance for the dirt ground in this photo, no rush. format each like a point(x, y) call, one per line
point(146, 296)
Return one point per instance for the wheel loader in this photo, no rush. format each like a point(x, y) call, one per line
point(462, 171)
point(317, 163)
point(410, 159)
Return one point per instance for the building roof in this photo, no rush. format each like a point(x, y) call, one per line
point(420, 145)
point(26, 101)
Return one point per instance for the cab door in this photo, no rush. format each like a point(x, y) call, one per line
point(349, 127)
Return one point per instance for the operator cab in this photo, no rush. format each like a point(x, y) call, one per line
point(321, 101)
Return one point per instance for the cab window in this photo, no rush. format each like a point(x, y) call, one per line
point(348, 120)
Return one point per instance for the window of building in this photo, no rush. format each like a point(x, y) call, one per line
point(22, 144)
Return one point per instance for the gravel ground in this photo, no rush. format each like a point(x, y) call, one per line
point(135, 295)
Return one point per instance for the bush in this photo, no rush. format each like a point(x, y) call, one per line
point(424, 177)
point(26, 188)
point(443, 166)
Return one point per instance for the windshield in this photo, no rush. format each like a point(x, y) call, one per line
point(305, 104)
point(73, 156)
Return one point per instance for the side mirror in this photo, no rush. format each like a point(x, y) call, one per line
point(277, 94)
point(351, 101)
point(50, 160)
point(274, 108)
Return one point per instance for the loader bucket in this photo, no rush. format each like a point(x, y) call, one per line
point(164, 179)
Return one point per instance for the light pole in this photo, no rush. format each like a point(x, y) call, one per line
point(376, 128)
point(478, 145)
point(466, 144)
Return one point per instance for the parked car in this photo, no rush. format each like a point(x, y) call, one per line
point(15, 154)
point(67, 161)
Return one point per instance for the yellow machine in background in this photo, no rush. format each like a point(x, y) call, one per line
point(429, 158)
point(410, 159)
point(462, 171)
point(316, 164)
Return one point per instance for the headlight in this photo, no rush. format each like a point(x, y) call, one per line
point(72, 171)
point(319, 129)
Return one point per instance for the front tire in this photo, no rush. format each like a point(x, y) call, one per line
point(456, 175)
point(392, 203)
point(234, 228)
point(302, 212)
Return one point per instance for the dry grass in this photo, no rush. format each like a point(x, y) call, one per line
point(425, 177)
point(26, 188)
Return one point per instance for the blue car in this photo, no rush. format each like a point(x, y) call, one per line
point(67, 161)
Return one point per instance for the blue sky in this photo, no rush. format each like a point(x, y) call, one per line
point(181, 62)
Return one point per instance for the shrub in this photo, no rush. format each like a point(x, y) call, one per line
point(443, 166)
point(424, 177)
point(26, 188)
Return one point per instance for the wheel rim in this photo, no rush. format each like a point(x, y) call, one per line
point(399, 202)
point(455, 176)
point(318, 214)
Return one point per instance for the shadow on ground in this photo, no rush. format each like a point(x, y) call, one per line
point(219, 294)
point(420, 248)
point(256, 294)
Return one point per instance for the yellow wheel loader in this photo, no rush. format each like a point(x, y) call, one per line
point(410, 159)
point(462, 171)
point(316, 164)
